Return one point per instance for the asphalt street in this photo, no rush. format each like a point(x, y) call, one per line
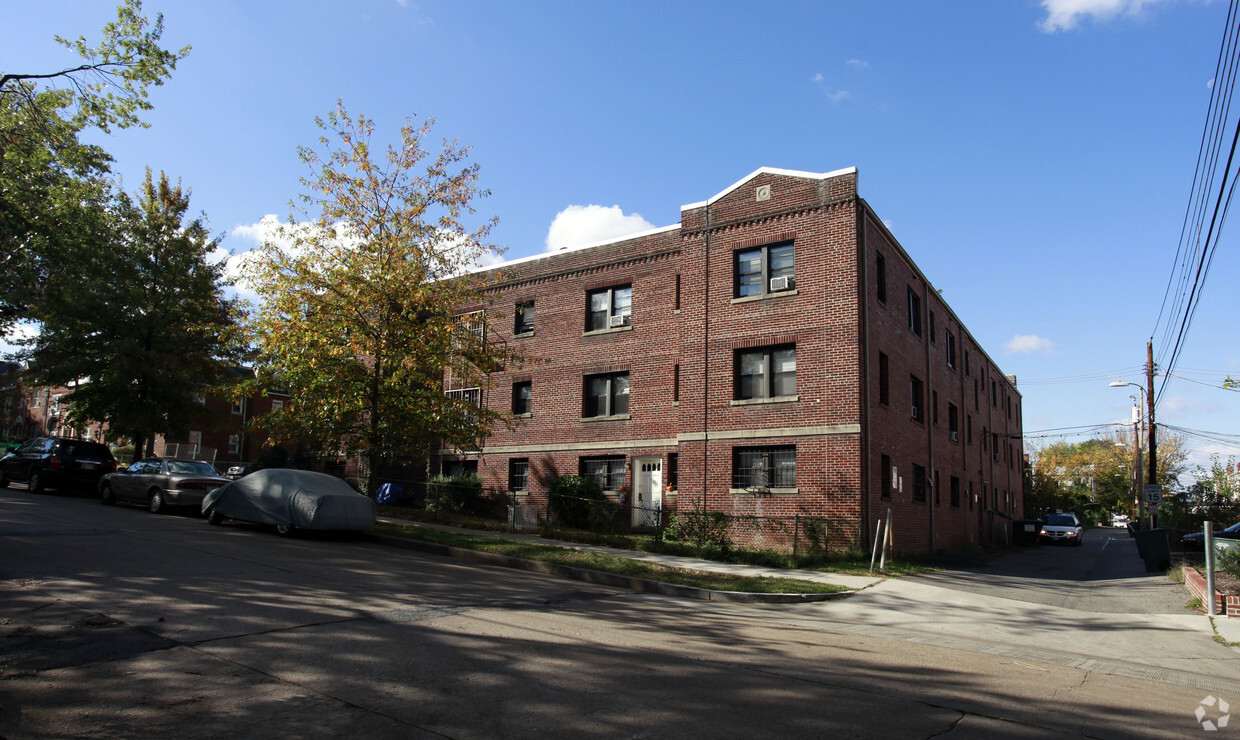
point(117, 623)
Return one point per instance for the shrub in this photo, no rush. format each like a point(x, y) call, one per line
point(457, 493)
point(1228, 561)
point(578, 502)
point(703, 528)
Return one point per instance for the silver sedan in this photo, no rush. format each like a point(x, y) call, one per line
point(160, 483)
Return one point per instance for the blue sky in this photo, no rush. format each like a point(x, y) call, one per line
point(1034, 157)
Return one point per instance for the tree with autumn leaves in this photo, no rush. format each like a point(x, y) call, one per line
point(1095, 475)
point(359, 294)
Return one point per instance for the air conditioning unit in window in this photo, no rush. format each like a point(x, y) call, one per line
point(955, 436)
point(996, 457)
point(915, 414)
point(781, 283)
point(614, 321)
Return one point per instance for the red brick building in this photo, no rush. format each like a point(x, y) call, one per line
point(776, 353)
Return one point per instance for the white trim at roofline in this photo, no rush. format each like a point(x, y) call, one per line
point(673, 227)
point(566, 250)
point(770, 171)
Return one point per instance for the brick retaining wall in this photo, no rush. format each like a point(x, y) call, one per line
point(1224, 605)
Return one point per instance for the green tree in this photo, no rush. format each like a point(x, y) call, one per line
point(142, 327)
point(1096, 474)
point(52, 186)
point(358, 301)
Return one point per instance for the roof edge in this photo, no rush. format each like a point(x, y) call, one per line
point(769, 171)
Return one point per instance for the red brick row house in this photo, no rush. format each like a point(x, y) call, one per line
point(776, 353)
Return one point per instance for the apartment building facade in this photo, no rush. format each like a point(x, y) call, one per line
point(776, 353)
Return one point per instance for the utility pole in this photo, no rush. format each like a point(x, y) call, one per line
point(1152, 475)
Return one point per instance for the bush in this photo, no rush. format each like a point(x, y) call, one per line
point(456, 494)
point(703, 528)
point(1228, 561)
point(578, 502)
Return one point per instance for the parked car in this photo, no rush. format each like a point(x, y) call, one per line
point(290, 500)
point(161, 482)
point(1062, 528)
point(56, 462)
point(1197, 540)
point(235, 472)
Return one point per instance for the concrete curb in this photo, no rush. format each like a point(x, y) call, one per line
point(605, 579)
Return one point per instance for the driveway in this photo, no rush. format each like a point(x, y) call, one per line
point(1091, 606)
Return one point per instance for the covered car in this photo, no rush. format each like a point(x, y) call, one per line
point(290, 500)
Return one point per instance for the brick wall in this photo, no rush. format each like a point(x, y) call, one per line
point(688, 322)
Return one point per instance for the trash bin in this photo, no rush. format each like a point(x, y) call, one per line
point(1025, 532)
point(1154, 546)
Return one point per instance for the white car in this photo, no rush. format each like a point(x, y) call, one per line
point(1064, 528)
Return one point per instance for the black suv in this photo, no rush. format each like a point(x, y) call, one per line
point(54, 461)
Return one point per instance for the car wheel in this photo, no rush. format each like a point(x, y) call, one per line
point(106, 497)
point(35, 484)
point(155, 504)
point(215, 518)
point(285, 530)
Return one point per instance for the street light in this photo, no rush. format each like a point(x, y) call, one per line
point(1136, 443)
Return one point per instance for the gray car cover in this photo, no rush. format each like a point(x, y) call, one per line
point(299, 497)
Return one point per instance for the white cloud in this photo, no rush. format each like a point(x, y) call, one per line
point(857, 64)
point(1063, 15)
point(834, 96)
point(1027, 344)
point(576, 226)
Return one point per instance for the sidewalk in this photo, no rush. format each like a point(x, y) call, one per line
point(672, 561)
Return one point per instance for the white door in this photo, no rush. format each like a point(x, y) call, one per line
point(648, 493)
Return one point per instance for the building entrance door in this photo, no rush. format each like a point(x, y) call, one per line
point(647, 491)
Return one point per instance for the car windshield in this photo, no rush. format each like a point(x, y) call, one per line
point(1061, 520)
point(188, 467)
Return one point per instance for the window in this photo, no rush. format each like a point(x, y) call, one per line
point(881, 283)
point(768, 269)
point(938, 498)
point(277, 405)
point(609, 308)
point(914, 312)
point(968, 429)
point(934, 406)
point(994, 394)
point(976, 407)
point(955, 500)
point(764, 467)
point(885, 475)
point(933, 332)
point(519, 474)
point(201, 398)
point(950, 344)
point(606, 395)
point(678, 291)
point(238, 409)
point(770, 372)
point(522, 393)
point(523, 318)
point(916, 398)
point(676, 383)
point(884, 395)
point(953, 422)
point(607, 471)
point(967, 371)
point(234, 444)
point(673, 471)
point(919, 484)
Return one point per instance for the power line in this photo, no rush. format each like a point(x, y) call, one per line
point(1195, 256)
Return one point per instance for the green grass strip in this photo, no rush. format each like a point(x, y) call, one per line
point(610, 563)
